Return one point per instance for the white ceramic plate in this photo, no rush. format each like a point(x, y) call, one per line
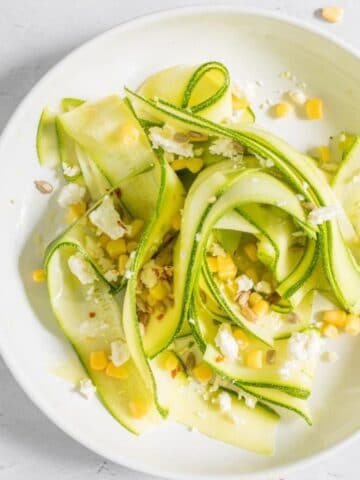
point(256, 46)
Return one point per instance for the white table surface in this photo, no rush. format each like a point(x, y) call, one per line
point(34, 35)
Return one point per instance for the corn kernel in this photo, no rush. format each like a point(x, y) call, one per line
point(179, 164)
point(120, 372)
point(332, 14)
point(241, 337)
point(194, 164)
point(251, 251)
point(176, 221)
point(213, 264)
point(139, 408)
point(253, 274)
point(239, 103)
point(122, 263)
point(75, 211)
point(314, 108)
point(135, 228)
point(170, 361)
point(261, 308)
point(116, 247)
point(335, 317)
point(104, 240)
point(129, 134)
point(38, 275)
point(352, 326)
point(323, 153)
point(254, 359)
point(226, 267)
point(254, 298)
point(329, 331)
point(281, 109)
point(131, 246)
point(160, 290)
point(202, 373)
point(98, 360)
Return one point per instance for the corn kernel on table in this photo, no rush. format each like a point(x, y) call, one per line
point(34, 35)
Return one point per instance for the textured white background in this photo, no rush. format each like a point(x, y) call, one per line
point(34, 35)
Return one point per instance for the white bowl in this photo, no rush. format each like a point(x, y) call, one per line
point(256, 46)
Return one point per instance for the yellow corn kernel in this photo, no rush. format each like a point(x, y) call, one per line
point(98, 360)
point(116, 247)
point(121, 372)
point(226, 267)
point(170, 362)
point(129, 134)
point(138, 408)
point(75, 211)
point(261, 308)
point(239, 103)
point(253, 274)
point(332, 14)
point(179, 164)
point(352, 326)
point(38, 275)
point(202, 373)
point(194, 164)
point(314, 108)
point(329, 330)
point(104, 240)
point(131, 246)
point(251, 251)
point(176, 221)
point(254, 359)
point(241, 337)
point(122, 263)
point(160, 290)
point(213, 264)
point(335, 317)
point(281, 109)
point(254, 298)
point(135, 228)
point(323, 153)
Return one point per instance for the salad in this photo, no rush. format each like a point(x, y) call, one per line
point(205, 261)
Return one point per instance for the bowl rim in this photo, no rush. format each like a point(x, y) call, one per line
point(135, 22)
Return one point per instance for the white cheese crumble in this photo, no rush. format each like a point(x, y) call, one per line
point(163, 137)
point(111, 275)
point(217, 250)
point(226, 342)
point(266, 162)
point(224, 400)
point(250, 401)
point(82, 269)
point(87, 388)
point(128, 274)
point(323, 214)
point(148, 275)
point(330, 357)
point(304, 346)
point(70, 171)
point(191, 321)
point(227, 148)
point(119, 353)
point(288, 368)
point(106, 218)
point(297, 96)
point(244, 283)
point(70, 194)
point(263, 287)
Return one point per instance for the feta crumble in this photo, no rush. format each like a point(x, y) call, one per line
point(128, 274)
point(224, 400)
point(297, 96)
point(111, 275)
point(227, 148)
point(106, 218)
point(250, 401)
point(148, 275)
point(226, 342)
point(266, 162)
point(263, 287)
point(304, 346)
point(70, 194)
point(119, 353)
point(86, 388)
point(82, 269)
point(163, 137)
point(323, 214)
point(244, 283)
point(288, 368)
point(70, 171)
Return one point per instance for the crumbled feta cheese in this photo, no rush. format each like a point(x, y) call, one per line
point(250, 401)
point(323, 214)
point(227, 148)
point(224, 400)
point(163, 137)
point(356, 179)
point(297, 96)
point(82, 269)
point(217, 250)
point(263, 287)
point(119, 353)
point(266, 162)
point(70, 194)
point(330, 357)
point(106, 218)
point(111, 275)
point(87, 388)
point(244, 283)
point(70, 171)
point(191, 321)
point(128, 274)
point(226, 342)
point(288, 368)
point(304, 346)
point(149, 275)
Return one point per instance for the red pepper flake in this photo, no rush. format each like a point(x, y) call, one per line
point(219, 359)
point(92, 314)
